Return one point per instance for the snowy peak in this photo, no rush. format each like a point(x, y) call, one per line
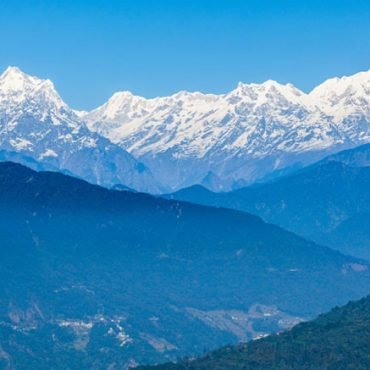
point(358, 83)
point(18, 88)
point(347, 101)
point(346, 92)
point(122, 102)
point(13, 79)
point(123, 107)
point(270, 86)
point(269, 92)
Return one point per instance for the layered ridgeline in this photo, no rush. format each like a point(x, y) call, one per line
point(36, 123)
point(338, 340)
point(96, 278)
point(328, 201)
point(230, 140)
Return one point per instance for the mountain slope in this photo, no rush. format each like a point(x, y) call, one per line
point(351, 236)
point(312, 202)
point(16, 157)
point(34, 121)
point(337, 340)
point(94, 278)
point(238, 137)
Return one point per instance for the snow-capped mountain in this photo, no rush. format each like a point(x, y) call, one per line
point(35, 121)
point(225, 141)
point(220, 141)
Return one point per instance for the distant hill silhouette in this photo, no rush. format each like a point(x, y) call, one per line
point(312, 202)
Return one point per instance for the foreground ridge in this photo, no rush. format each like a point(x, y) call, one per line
point(339, 340)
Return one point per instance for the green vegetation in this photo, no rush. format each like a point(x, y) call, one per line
point(337, 340)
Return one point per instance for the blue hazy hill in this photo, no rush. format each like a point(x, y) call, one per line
point(313, 202)
point(91, 277)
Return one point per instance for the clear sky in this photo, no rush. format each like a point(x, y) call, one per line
point(91, 48)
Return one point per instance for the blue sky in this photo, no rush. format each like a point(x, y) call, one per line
point(157, 47)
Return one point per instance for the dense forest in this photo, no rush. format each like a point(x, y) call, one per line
point(337, 340)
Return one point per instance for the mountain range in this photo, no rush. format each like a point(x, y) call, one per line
point(233, 139)
point(338, 340)
point(163, 144)
point(98, 278)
